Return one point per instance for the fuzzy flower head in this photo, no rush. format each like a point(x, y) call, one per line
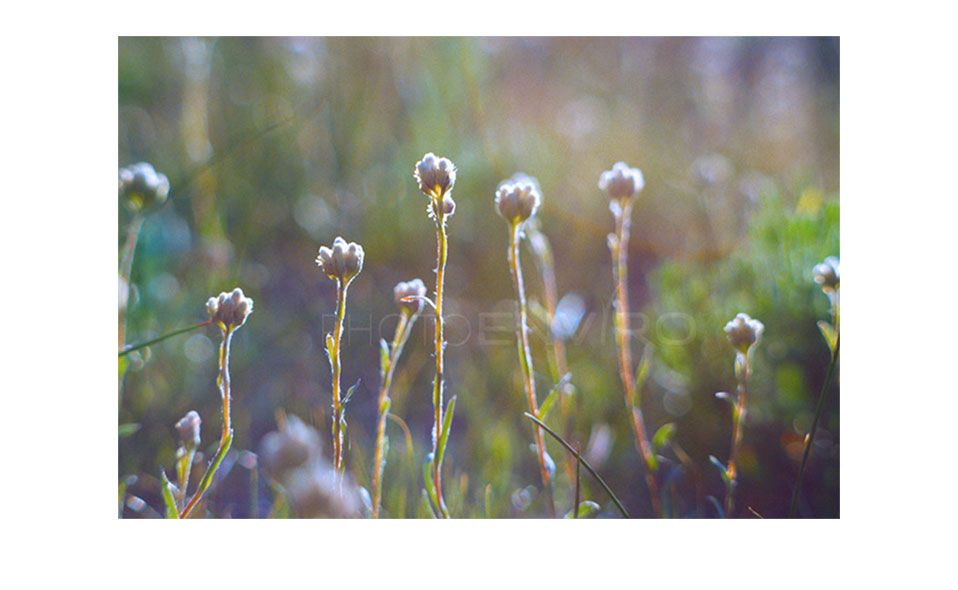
point(827, 274)
point(188, 429)
point(743, 332)
point(143, 187)
point(341, 262)
point(413, 288)
point(621, 182)
point(517, 202)
point(436, 175)
point(229, 310)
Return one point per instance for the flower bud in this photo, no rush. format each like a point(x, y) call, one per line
point(343, 261)
point(621, 182)
point(414, 288)
point(188, 429)
point(516, 203)
point(142, 186)
point(229, 310)
point(436, 176)
point(827, 274)
point(743, 332)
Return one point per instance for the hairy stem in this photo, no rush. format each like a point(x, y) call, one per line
point(441, 248)
point(335, 361)
point(226, 438)
point(811, 433)
point(623, 222)
point(546, 264)
point(742, 369)
point(525, 357)
point(403, 330)
point(126, 269)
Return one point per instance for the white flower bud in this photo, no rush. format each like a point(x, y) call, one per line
point(827, 274)
point(516, 203)
point(188, 429)
point(343, 261)
point(743, 332)
point(436, 176)
point(229, 310)
point(142, 186)
point(621, 182)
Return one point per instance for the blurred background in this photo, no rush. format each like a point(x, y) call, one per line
point(274, 147)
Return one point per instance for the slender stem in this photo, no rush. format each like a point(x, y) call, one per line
point(337, 373)
point(130, 348)
point(546, 263)
point(441, 248)
point(581, 460)
point(226, 438)
point(126, 269)
point(811, 433)
point(742, 370)
point(623, 222)
point(525, 357)
point(403, 329)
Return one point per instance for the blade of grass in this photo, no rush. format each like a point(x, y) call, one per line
point(585, 463)
point(128, 349)
point(811, 433)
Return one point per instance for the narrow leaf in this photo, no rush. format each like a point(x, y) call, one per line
point(717, 505)
point(662, 437)
point(383, 358)
point(128, 429)
point(446, 427)
point(351, 391)
point(169, 498)
point(828, 332)
point(723, 470)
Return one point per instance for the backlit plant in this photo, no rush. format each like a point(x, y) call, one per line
point(436, 177)
point(342, 263)
point(409, 297)
point(517, 203)
point(622, 184)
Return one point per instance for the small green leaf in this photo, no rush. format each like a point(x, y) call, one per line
point(828, 332)
point(128, 429)
point(548, 404)
point(662, 437)
point(383, 358)
point(642, 374)
point(446, 427)
point(169, 498)
point(351, 391)
point(124, 363)
point(652, 462)
point(587, 509)
point(723, 470)
point(725, 396)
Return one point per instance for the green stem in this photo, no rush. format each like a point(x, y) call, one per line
point(126, 269)
point(226, 438)
point(441, 252)
point(128, 349)
point(811, 433)
point(620, 253)
point(525, 357)
point(403, 329)
point(738, 422)
point(337, 373)
point(584, 463)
